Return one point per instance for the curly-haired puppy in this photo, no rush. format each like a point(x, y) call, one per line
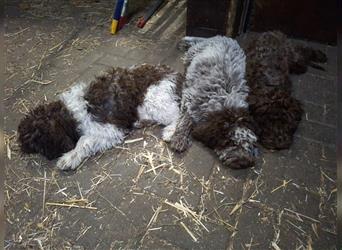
point(91, 118)
point(271, 58)
point(214, 104)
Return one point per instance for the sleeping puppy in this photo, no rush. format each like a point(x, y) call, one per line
point(214, 107)
point(90, 118)
point(271, 59)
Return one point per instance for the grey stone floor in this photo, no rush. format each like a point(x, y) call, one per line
point(189, 201)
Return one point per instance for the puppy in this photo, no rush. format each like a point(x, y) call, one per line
point(90, 118)
point(271, 59)
point(214, 107)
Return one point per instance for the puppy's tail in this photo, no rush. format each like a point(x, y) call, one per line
point(303, 57)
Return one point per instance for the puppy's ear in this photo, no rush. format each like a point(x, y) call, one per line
point(212, 133)
point(202, 133)
point(49, 130)
point(27, 134)
point(34, 132)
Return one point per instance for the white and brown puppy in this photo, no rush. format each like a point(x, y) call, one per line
point(90, 118)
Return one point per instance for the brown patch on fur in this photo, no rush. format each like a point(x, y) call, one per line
point(115, 96)
point(215, 130)
point(49, 130)
point(180, 79)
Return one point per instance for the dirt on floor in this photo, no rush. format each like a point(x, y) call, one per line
point(141, 194)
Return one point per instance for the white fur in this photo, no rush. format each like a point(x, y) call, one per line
point(95, 136)
point(215, 77)
point(161, 105)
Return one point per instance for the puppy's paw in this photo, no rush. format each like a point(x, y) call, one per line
point(319, 56)
point(167, 134)
point(69, 161)
point(179, 143)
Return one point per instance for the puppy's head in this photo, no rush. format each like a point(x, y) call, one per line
point(215, 131)
point(49, 130)
point(227, 133)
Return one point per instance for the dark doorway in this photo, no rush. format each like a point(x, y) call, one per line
point(308, 19)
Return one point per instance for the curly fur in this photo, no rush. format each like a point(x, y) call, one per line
point(276, 115)
point(91, 118)
point(271, 58)
point(229, 134)
point(214, 101)
point(115, 96)
point(217, 129)
point(49, 130)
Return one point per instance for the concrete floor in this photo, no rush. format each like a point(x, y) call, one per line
point(288, 201)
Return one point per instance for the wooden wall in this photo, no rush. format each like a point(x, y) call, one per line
point(207, 18)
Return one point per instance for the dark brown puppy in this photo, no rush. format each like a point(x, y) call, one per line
point(271, 58)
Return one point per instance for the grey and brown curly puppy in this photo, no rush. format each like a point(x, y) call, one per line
point(214, 106)
point(90, 118)
point(271, 58)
